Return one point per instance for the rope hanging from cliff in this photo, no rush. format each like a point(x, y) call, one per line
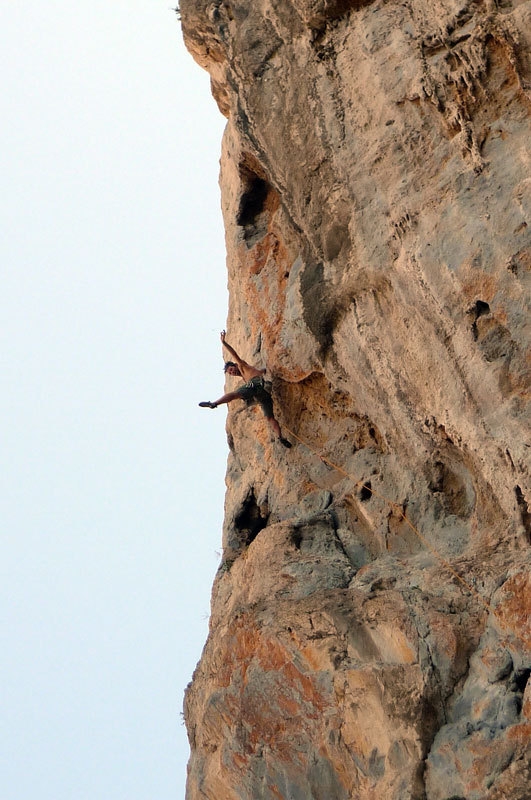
point(398, 509)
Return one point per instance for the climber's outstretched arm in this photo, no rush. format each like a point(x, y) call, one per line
point(246, 370)
point(239, 361)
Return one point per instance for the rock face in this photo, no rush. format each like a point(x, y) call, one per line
point(370, 632)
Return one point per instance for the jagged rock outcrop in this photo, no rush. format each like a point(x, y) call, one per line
point(376, 190)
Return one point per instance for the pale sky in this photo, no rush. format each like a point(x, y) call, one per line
point(112, 296)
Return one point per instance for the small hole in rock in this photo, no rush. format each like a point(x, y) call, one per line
point(296, 539)
point(520, 680)
point(252, 201)
point(251, 519)
point(525, 514)
point(478, 310)
point(481, 308)
point(366, 492)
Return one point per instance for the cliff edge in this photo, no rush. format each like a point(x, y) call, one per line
point(370, 634)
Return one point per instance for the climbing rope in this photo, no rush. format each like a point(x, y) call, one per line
point(399, 510)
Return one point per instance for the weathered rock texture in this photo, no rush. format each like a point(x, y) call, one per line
point(376, 190)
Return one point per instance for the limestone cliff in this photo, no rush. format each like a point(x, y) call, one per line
point(376, 191)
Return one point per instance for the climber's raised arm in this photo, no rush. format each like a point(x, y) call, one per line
point(228, 347)
point(247, 371)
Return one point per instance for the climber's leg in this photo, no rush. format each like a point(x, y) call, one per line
point(226, 398)
point(276, 430)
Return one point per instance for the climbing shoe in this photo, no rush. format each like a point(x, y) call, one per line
point(285, 442)
point(207, 404)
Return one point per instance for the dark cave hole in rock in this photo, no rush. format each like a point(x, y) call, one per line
point(366, 492)
point(479, 309)
point(253, 199)
point(520, 680)
point(296, 539)
point(251, 519)
point(525, 514)
point(254, 211)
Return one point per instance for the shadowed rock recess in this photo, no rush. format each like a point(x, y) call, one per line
point(376, 192)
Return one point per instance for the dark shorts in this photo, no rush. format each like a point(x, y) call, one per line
point(257, 390)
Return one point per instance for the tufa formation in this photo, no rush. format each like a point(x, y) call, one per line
point(370, 633)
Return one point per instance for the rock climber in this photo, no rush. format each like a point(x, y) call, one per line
point(255, 389)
